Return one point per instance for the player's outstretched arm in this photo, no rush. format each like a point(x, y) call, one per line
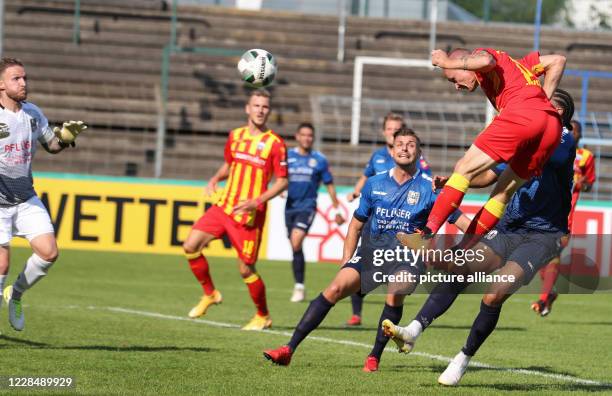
point(64, 136)
point(352, 237)
point(480, 61)
point(553, 69)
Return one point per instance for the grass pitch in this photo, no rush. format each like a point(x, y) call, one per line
point(117, 323)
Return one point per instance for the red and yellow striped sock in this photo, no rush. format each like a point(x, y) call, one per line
point(200, 269)
point(257, 290)
point(484, 221)
point(449, 199)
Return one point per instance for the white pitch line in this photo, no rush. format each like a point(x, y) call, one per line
point(561, 377)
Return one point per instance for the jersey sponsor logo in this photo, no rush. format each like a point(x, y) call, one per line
point(290, 160)
point(380, 161)
point(251, 158)
point(312, 163)
point(413, 197)
point(4, 130)
point(379, 193)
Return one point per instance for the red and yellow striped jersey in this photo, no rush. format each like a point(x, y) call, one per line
point(584, 168)
point(252, 161)
point(514, 83)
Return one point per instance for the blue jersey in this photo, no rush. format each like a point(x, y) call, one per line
point(381, 161)
point(306, 172)
point(389, 207)
point(543, 203)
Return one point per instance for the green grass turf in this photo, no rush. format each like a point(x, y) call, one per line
point(71, 331)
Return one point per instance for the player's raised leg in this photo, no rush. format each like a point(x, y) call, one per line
point(44, 255)
point(474, 162)
point(346, 282)
point(192, 247)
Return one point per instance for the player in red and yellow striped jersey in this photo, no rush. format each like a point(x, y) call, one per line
point(524, 134)
point(253, 154)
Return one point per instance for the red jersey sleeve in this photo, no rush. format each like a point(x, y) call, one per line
point(589, 170)
point(279, 159)
point(532, 62)
point(227, 152)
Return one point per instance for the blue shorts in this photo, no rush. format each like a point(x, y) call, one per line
point(300, 219)
point(532, 251)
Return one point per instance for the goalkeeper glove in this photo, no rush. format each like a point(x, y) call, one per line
point(69, 131)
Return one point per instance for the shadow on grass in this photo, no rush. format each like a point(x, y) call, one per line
point(19, 343)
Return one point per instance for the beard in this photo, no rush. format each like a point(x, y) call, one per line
point(18, 96)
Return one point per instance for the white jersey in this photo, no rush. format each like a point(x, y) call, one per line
point(18, 134)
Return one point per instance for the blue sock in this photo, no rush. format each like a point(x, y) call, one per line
point(483, 325)
point(357, 303)
point(394, 314)
point(298, 266)
point(312, 318)
point(439, 301)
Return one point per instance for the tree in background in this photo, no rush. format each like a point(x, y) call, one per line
point(518, 11)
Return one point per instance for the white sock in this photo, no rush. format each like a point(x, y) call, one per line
point(35, 269)
point(415, 328)
point(299, 286)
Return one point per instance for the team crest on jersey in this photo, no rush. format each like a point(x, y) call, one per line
point(33, 124)
point(4, 130)
point(261, 146)
point(413, 197)
point(312, 163)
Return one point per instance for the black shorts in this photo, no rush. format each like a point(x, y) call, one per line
point(369, 261)
point(301, 219)
point(532, 251)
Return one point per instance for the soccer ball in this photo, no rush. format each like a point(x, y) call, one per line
point(257, 67)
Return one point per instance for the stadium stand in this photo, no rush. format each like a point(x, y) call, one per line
point(110, 79)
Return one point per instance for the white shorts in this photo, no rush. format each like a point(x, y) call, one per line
point(28, 220)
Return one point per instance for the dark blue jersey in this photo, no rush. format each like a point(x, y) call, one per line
point(543, 203)
point(306, 172)
point(381, 161)
point(389, 207)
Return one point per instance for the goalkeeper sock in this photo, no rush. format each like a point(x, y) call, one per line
point(34, 270)
point(312, 318)
point(394, 314)
point(199, 267)
point(257, 290)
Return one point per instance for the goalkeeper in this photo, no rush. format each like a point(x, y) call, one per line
point(21, 211)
